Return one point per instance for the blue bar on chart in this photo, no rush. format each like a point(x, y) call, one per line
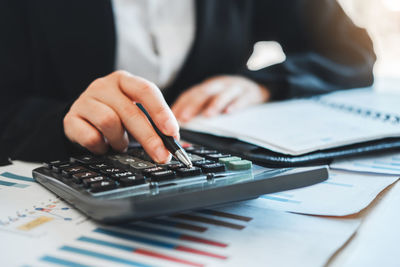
point(5, 183)
point(137, 250)
point(103, 256)
point(14, 176)
point(157, 243)
point(62, 262)
point(172, 234)
point(280, 199)
point(337, 184)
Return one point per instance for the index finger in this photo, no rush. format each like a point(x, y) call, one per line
point(149, 95)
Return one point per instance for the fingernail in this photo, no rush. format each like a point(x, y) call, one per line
point(171, 127)
point(162, 155)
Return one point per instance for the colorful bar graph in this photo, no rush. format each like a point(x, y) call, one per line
point(178, 225)
point(140, 251)
point(17, 177)
point(62, 262)
point(195, 218)
point(103, 256)
point(172, 234)
point(157, 243)
point(5, 183)
point(226, 215)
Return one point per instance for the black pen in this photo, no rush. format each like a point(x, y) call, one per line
point(170, 143)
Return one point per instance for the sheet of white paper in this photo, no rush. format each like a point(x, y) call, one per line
point(388, 163)
point(39, 229)
point(300, 126)
point(377, 241)
point(344, 193)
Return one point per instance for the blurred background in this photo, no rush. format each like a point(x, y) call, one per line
point(381, 18)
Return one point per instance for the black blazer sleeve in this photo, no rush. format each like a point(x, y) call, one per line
point(31, 123)
point(324, 50)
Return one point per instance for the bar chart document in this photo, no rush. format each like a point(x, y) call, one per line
point(50, 232)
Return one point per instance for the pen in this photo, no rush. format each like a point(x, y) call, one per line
point(170, 143)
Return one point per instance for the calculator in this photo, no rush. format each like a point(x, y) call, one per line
point(130, 186)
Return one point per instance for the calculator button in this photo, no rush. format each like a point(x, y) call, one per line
point(217, 156)
point(86, 159)
point(162, 175)
point(59, 167)
point(228, 159)
point(192, 148)
point(174, 166)
point(240, 165)
point(78, 177)
point(203, 162)
point(136, 179)
point(73, 170)
point(111, 171)
point(188, 171)
point(141, 165)
point(214, 167)
point(117, 176)
point(102, 186)
point(101, 165)
point(154, 169)
point(49, 165)
point(88, 181)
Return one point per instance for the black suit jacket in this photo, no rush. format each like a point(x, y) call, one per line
point(50, 51)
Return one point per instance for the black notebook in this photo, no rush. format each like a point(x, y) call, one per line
point(306, 131)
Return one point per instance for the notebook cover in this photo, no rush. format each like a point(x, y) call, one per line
point(269, 158)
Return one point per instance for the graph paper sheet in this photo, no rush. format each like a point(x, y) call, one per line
point(39, 229)
point(344, 193)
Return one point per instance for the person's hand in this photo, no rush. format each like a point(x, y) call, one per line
point(106, 110)
point(221, 94)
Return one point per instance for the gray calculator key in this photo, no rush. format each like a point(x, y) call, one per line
point(103, 186)
point(136, 179)
point(118, 176)
point(88, 181)
point(142, 165)
point(78, 177)
point(162, 175)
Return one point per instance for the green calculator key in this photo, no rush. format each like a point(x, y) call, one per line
point(239, 165)
point(228, 159)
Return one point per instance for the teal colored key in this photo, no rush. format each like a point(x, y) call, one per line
point(228, 159)
point(240, 165)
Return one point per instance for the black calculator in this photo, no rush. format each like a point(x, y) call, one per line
point(130, 186)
